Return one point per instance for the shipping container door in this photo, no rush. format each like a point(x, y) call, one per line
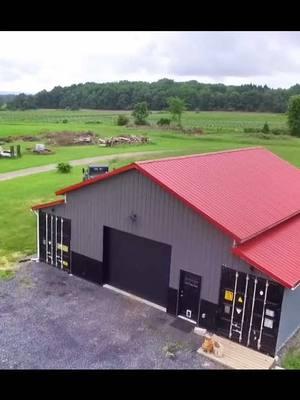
point(55, 240)
point(249, 310)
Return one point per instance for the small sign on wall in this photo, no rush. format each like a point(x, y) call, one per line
point(228, 295)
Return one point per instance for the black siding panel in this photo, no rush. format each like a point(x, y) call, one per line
point(87, 268)
point(208, 313)
point(172, 301)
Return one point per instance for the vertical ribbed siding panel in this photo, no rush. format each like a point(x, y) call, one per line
point(290, 316)
point(197, 246)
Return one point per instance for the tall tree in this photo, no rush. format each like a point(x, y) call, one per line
point(294, 115)
point(176, 108)
point(140, 113)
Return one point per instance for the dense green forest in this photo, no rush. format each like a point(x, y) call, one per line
point(124, 95)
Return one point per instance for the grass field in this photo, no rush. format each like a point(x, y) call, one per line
point(17, 222)
point(223, 130)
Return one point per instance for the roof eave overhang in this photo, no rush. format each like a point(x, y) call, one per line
point(237, 252)
point(47, 205)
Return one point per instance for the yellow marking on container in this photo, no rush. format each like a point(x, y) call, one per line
point(63, 247)
point(228, 295)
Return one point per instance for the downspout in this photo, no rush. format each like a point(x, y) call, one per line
point(37, 237)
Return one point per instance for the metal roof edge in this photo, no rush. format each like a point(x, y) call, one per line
point(99, 178)
point(237, 252)
point(270, 227)
point(201, 154)
point(46, 205)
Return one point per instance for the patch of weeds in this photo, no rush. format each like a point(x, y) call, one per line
point(171, 349)
point(6, 274)
point(292, 359)
point(8, 265)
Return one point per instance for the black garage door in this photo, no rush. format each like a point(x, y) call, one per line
point(137, 265)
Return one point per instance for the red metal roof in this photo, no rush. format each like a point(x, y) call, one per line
point(244, 192)
point(46, 205)
point(276, 252)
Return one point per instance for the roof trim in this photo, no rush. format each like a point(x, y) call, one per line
point(96, 179)
point(46, 205)
point(211, 153)
point(255, 235)
point(237, 252)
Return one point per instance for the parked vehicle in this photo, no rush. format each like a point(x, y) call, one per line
point(5, 153)
point(94, 170)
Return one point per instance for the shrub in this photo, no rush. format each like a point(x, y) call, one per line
point(294, 115)
point(64, 168)
point(122, 120)
point(65, 121)
point(265, 128)
point(251, 130)
point(279, 131)
point(163, 121)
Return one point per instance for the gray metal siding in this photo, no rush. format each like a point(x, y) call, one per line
point(290, 316)
point(197, 245)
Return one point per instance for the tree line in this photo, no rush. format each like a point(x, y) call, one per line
point(124, 95)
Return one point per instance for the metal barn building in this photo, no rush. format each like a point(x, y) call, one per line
point(213, 238)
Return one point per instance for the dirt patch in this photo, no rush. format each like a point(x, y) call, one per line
point(193, 131)
point(67, 138)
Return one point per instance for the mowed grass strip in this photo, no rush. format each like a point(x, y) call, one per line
point(286, 146)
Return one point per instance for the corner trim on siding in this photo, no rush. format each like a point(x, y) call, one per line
point(287, 339)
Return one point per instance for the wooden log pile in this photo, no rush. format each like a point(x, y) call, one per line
point(125, 139)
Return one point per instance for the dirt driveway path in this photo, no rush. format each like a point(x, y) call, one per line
point(50, 167)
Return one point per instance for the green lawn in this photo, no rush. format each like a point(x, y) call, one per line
point(292, 359)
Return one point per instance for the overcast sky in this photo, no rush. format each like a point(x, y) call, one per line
point(32, 61)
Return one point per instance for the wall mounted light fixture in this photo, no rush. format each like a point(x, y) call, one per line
point(133, 217)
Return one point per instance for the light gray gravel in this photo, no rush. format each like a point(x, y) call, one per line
point(50, 320)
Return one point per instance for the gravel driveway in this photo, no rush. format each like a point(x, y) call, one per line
point(83, 161)
point(51, 320)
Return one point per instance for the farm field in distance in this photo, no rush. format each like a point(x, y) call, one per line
point(222, 130)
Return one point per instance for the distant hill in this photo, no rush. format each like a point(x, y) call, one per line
point(124, 95)
point(8, 93)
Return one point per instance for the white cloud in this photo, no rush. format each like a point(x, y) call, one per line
point(32, 61)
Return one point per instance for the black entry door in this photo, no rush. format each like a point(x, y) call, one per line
point(249, 310)
point(137, 265)
point(55, 240)
point(189, 295)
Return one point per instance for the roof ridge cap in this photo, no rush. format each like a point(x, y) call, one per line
point(200, 155)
